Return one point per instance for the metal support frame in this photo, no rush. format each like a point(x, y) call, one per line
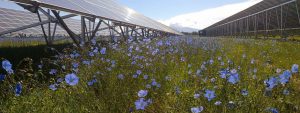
point(261, 23)
point(88, 32)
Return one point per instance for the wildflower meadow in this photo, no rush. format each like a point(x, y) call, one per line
point(178, 74)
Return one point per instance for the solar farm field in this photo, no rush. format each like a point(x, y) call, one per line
point(179, 74)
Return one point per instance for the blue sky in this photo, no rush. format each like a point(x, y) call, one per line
point(164, 9)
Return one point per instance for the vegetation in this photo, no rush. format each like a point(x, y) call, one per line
point(174, 74)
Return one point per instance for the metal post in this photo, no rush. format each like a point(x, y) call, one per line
point(49, 29)
point(96, 29)
point(83, 29)
point(40, 19)
point(64, 26)
point(297, 11)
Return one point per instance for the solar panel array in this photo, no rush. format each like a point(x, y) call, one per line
point(255, 9)
point(107, 9)
point(11, 19)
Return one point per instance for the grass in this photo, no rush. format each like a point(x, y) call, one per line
point(175, 94)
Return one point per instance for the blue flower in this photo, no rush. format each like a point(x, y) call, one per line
point(75, 65)
point(141, 104)
point(139, 72)
point(94, 80)
point(86, 62)
point(223, 73)
point(233, 78)
point(211, 61)
point(154, 83)
point(2, 77)
point(196, 95)
point(40, 66)
point(285, 77)
point(295, 68)
point(159, 43)
point(286, 92)
point(90, 83)
point(60, 80)
point(244, 92)
point(103, 51)
point(71, 79)
point(91, 54)
point(209, 94)
point(197, 109)
point(272, 110)
point(53, 72)
point(7, 66)
point(134, 76)
point(146, 77)
point(18, 89)
point(177, 90)
point(142, 93)
point(93, 41)
point(53, 87)
point(182, 59)
point(271, 82)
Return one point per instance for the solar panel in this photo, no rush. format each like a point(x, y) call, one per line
point(12, 19)
point(106, 9)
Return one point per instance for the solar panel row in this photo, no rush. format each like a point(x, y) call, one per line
point(12, 19)
point(107, 9)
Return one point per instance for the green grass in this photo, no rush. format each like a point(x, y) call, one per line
point(112, 95)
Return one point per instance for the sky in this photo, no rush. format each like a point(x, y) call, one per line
point(164, 9)
point(181, 14)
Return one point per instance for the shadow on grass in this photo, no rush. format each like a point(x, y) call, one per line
point(16, 54)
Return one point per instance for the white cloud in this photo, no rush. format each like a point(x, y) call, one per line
point(205, 18)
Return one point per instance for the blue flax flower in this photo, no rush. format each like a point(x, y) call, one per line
point(2, 77)
point(141, 104)
point(271, 82)
point(223, 73)
point(18, 89)
point(196, 95)
point(233, 78)
point(285, 77)
point(139, 72)
point(272, 110)
point(197, 109)
point(94, 80)
point(7, 66)
point(295, 68)
point(103, 51)
point(286, 92)
point(53, 72)
point(244, 92)
point(142, 93)
point(71, 79)
point(53, 87)
point(209, 94)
